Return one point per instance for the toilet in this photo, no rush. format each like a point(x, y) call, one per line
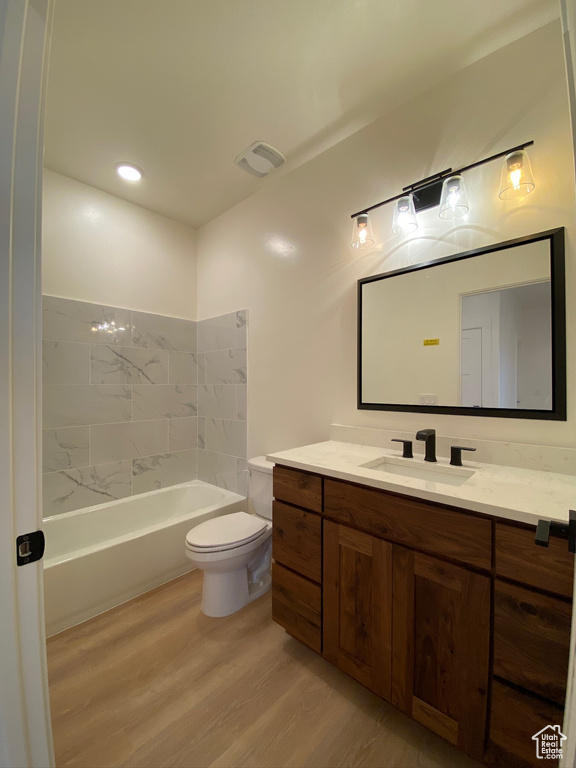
point(235, 550)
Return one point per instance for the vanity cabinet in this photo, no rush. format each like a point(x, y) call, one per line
point(297, 552)
point(456, 618)
point(441, 647)
point(357, 611)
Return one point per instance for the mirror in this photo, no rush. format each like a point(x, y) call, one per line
point(482, 333)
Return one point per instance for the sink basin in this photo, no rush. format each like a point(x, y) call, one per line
point(431, 472)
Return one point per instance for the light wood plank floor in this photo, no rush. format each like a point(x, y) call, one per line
point(156, 683)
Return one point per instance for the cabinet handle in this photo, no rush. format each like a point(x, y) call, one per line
point(562, 530)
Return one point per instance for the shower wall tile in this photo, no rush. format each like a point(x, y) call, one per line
point(160, 332)
point(98, 360)
point(127, 365)
point(225, 436)
point(222, 398)
point(71, 405)
point(65, 448)
point(164, 401)
point(77, 488)
point(122, 410)
point(113, 442)
point(182, 434)
point(65, 362)
point(217, 333)
point(218, 469)
point(156, 472)
point(68, 320)
point(183, 368)
point(242, 402)
point(226, 366)
point(217, 401)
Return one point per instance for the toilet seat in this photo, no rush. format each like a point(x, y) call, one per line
point(226, 532)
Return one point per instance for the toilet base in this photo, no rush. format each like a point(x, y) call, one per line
point(226, 593)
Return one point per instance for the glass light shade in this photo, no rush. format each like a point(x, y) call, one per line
point(453, 201)
point(404, 216)
point(517, 180)
point(362, 235)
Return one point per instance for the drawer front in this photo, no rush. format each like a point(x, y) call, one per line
point(297, 540)
point(298, 488)
point(297, 606)
point(411, 522)
point(516, 717)
point(532, 640)
point(518, 558)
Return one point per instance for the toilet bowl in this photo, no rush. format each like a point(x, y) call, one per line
point(235, 550)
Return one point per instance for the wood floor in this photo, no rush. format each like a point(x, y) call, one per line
point(156, 683)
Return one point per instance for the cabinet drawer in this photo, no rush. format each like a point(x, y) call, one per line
point(297, 606)
point(532, 640)
point(517, 557)
point(515, 718)
point(298, 488)
point(297, 540)
point(412, 522)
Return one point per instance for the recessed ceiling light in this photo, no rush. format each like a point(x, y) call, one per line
point(128, 172)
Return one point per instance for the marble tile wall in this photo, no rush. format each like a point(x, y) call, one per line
point(222, 401)
point(119, 403)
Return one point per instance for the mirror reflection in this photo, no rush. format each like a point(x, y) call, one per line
point(473, 331)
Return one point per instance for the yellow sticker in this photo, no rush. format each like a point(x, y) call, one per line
point(431, 342)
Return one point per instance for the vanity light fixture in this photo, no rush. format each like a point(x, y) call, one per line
point(404, 216)
point(447, 190)
point(517, 180)
point(128, 172)
point(453, 201)
point(362, 235)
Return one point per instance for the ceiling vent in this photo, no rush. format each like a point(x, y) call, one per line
point(259, 159)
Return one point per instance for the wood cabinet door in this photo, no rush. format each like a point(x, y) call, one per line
point(357, 606)
point(441, 646)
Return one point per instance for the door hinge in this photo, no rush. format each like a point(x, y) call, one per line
point(30, 547)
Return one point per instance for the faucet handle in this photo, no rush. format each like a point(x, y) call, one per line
point(406, 447)
point(456, 454)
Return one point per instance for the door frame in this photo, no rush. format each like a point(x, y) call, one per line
point(25, 729)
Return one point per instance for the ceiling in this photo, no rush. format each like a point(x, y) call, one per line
point(180, 87)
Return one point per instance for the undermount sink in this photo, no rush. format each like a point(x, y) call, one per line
point(408, 468)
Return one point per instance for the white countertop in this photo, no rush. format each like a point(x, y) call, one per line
point(524, 495)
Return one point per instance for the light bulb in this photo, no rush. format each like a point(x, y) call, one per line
point(128, 172)
point(362, 235)
point(404, 216)
point(517, 180)
point(453, 201)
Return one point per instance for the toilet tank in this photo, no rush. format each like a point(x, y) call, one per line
point(260, 485)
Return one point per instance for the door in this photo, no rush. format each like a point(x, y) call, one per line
point(25, 734)
point(471, 367)
point(440, 647)
point(357, 606)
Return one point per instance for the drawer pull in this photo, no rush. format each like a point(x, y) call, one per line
point(545, 528)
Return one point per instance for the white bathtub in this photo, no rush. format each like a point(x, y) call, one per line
point(101, 556)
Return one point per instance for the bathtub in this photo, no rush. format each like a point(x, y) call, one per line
point(101, 556)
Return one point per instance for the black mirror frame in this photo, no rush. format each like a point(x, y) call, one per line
point(558, 295)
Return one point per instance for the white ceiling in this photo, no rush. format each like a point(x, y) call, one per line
point(180, 87)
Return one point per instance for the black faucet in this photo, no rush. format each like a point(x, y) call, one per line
point(429, 436)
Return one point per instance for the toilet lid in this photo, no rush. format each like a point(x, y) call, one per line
point(225, 532)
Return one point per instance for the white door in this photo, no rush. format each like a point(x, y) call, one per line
point(471, 367)
point(25, 732)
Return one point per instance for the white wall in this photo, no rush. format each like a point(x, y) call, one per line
point(284, 253)
point(98, 248)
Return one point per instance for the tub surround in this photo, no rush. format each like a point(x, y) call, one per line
point(523, 495)
point(135, 401)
